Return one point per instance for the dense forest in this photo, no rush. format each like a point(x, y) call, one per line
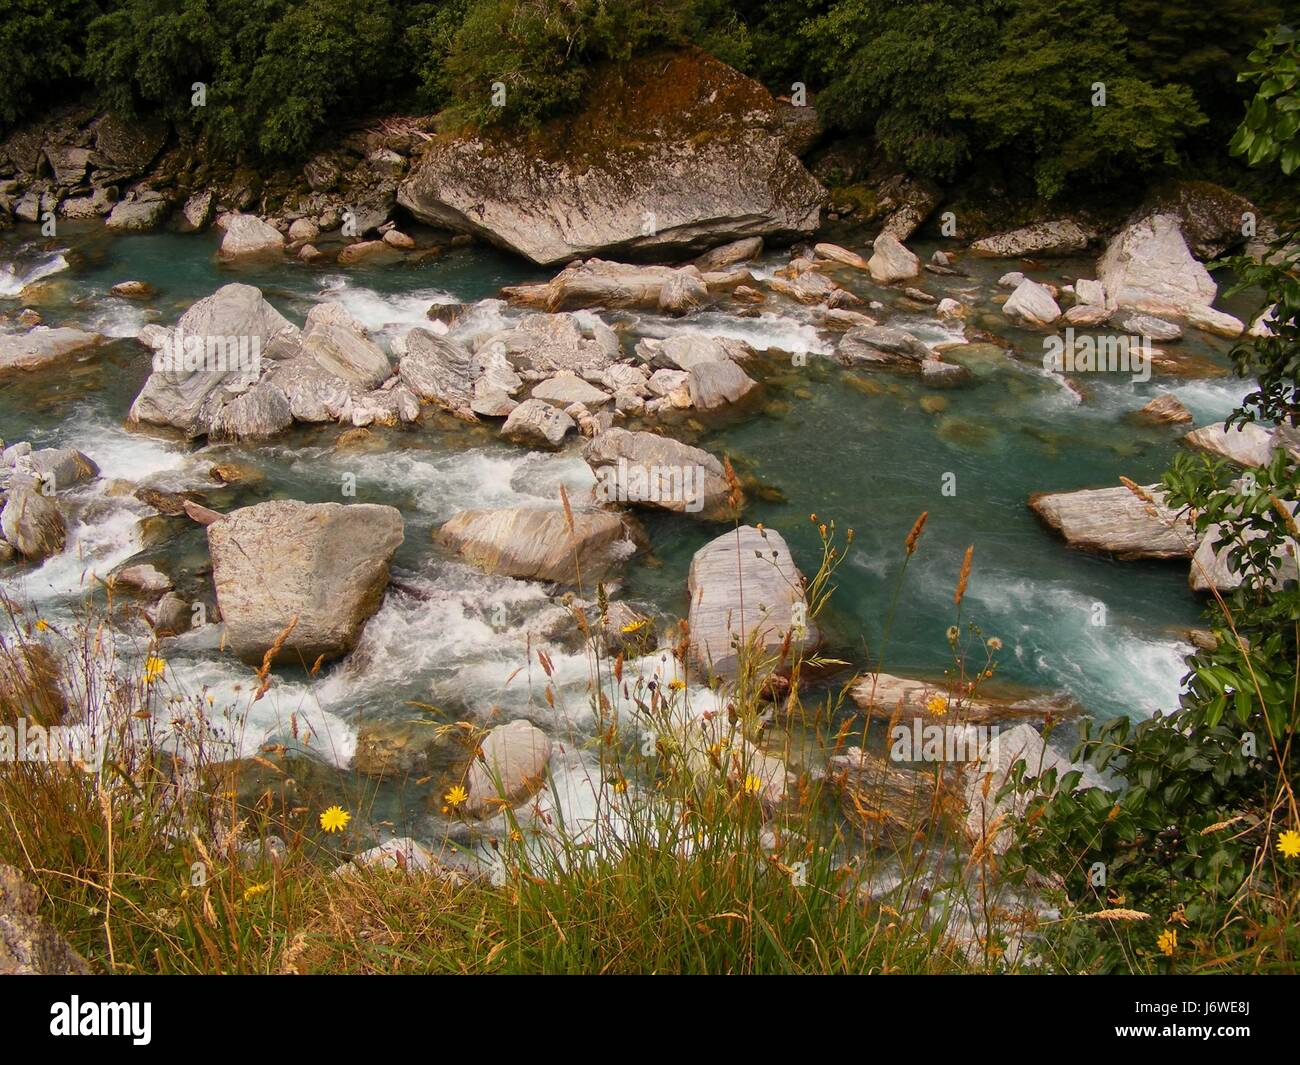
point(943, 85)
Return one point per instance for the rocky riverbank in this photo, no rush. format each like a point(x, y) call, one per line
point(683, 210)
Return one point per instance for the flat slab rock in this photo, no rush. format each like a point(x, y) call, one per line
point(882, 695)
point(744, 585)
point(42, 346)
point(1117, 522)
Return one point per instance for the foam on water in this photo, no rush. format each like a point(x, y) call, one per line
point(768, 330)
point(290, 712)
point(386, 314)
point(13, 279)
point(1108, 667)
point(441, 483)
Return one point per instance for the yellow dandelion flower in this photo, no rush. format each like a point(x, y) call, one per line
point(254, 890)
point(456, 796)
point(753, 784)
point(335, 819)
point(153, 668)
point(937, 705)
point(634, 626)
point(620, 785)
point(676, 685)
point(1168, 942)
point(516, 836)
point(1288, 843)
point(42, 625)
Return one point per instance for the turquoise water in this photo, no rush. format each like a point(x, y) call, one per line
point(857, 447)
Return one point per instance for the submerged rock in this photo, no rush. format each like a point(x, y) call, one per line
point(536, 542)
point(674, 154)
point(321, 568)
point(744, 586)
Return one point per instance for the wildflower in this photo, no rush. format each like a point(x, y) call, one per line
point(753, 784)
point(953, 633)
point(456, 796)
point(153, 668)
point(42, 625)
point(937, 705)
point(252, 891)
point(516, 836)
point(335, 819)
point(1168, 942)
point(1288, 843)
point(634, 626)
point(620, 785)
point(676, 685)
point(995, 644)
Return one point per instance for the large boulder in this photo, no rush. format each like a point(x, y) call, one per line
point(32, 523)
point(510, 767)
point(1032, 304)
point(1062, 237)
point(1116, 521)
point(212, 355)
point(345, 352)
point(137, 216)
point(744, 587)
point(536, 542)
point(436, 369)
point(1247, 444)
point(43, 346)
point(881, 345)
point(1148, 267)
point(884, 696)
point(544, 344)
point(1211, 217)
point(535, 423)
point(891, 261)
point(687, 350)
point(658, 472)
point(321, 568)
point(718, 384)
point(247, 235)
point(673, 155)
